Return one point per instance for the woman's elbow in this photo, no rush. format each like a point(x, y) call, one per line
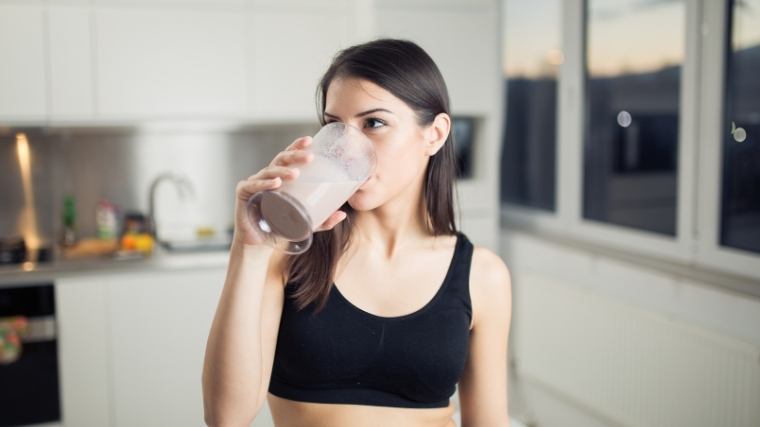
point(215, 415)
point(213, 419)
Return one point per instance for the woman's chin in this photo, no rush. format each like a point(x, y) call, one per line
point(361, 201)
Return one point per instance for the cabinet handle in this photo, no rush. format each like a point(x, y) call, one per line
point(40, 329)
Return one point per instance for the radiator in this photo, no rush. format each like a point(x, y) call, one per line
point(629, 366)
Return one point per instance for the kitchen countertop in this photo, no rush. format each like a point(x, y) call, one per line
point(44, 272)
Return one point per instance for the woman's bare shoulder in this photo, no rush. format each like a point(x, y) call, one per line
point(488, 268)
point(490, 283)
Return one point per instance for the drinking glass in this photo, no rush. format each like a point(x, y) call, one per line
point(285, 218)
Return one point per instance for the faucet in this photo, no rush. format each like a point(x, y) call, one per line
point(184, 186)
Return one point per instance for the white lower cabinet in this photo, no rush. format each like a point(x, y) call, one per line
point(159, 324)
point(83, 351)
point(131, 347)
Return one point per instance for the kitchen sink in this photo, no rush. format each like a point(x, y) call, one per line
point(197, 245)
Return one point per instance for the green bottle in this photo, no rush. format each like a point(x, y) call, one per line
point(68, 237)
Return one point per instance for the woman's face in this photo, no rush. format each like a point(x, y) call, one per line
point(402, 146)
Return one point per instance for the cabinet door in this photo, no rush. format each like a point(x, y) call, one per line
point(166, 64)
point(70, 63)
point(460, 36)
point(481, 227)
point(82, 351)
point(159, 324)
point(291, 49)
point(22, 64)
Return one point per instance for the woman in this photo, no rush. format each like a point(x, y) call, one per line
point(391, 307)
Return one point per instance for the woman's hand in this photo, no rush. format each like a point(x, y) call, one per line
point(283, 167)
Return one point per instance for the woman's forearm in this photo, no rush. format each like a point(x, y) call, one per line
point(232, 368)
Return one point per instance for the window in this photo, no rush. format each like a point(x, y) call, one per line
point(634, 53)
point(532, 58)
point(657, 112)
point(740, 205)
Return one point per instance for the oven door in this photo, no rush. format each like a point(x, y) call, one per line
point(29, 385)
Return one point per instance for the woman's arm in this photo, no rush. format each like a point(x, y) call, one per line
point(243, 335)
point(234, 370)
point(483, 385)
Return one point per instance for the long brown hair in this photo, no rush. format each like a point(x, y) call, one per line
point(405, 70)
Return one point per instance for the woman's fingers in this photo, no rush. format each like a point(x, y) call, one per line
point(290, 157)
point(277, 171)
point(300, 143)
point(251, 186)
point(331, 222)
point(294, 153)
point(268, 178)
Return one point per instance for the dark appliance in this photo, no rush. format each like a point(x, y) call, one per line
point(29, 386)
point(12, 250)
point(463, 129)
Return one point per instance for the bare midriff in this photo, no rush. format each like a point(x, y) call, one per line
point(289, 413)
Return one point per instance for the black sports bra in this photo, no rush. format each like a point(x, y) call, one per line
point(348, 356)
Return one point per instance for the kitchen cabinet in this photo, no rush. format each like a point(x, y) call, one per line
point(479, 226)
point(290, 50)
point(23, 95)
point(131, 346)
point(131, 61)
point(71, 76)
point(83, 351)
point(175, 3)
point(170, 64)
point(461, 37)
point(158, 326)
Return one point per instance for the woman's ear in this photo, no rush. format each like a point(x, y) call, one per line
point(437, 133)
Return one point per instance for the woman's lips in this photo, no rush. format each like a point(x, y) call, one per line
point(365, 183)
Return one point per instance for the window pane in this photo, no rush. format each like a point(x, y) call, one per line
point(532, 38)
point(740, 221)
point(634, 54)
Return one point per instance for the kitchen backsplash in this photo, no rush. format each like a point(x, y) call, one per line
point(119, 164)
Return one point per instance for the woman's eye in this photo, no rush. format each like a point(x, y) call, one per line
point(373, 123)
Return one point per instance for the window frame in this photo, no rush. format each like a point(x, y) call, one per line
point(710, 252)
point(701, 108)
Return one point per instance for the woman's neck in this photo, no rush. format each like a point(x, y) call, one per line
point(390, 229)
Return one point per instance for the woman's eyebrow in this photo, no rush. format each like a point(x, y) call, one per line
point(374, 110)
point(362, 114)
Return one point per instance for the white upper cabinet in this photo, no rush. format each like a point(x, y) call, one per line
point(71, 78)
point(22, 64)
point(171, 3)
point(170, 64)
point(290, 50)
point(128, 61)
point(461, 37)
